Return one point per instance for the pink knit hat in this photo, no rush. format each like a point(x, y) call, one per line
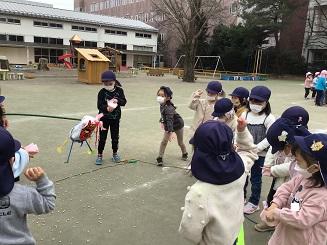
point(323, 73)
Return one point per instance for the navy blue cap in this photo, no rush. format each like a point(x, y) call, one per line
point(261, 93)
point(241, 92)
point(222, 106)
point(215, 160)
point(8, 147)
point(168, 91)
point(214, 87)
point(316, 146)
point(2, 98)
point(282, 132)
point(108, 76)
point(297, 114)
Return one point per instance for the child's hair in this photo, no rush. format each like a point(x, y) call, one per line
point(243, 101)
point(266, 111)
point(316, 178)
point(168, 93)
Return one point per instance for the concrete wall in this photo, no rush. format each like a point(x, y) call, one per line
point(21, 55)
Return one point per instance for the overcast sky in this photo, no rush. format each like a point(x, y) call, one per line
point(63, 4)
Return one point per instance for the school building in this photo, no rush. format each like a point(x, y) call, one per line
point(30, 31)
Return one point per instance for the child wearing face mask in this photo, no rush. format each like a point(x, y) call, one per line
point(17, 201)
point(204, 107)
point(240, 100)
point(281, 138)
point(299, 206)
point(224, 112)
point(172, 123)
point(110, 99)
point(259, 120)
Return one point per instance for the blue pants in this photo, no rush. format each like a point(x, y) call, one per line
point(256, 181)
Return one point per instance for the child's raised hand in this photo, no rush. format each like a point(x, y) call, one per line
point(34, 174)
point(266, 171)
point(241, 124)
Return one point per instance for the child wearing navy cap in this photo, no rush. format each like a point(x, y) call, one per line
point(172, 123)
point(240, 97)
point(204, 107)
point(259, 120)
point(224, 112)
point(213, 212)
point(299, 206)
point(17, 201)
point(110, 100)
point(281, 167)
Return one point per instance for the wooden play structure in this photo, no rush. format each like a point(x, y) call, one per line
point(155, 72)
point(115, 57)
point(4, 67)
point(91, 64)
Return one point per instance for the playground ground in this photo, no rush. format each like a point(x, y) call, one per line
point(126, 204)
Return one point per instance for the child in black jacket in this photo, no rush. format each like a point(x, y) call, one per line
point(172, 123)
point(110, 99)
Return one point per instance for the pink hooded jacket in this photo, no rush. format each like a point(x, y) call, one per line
point(308, 225)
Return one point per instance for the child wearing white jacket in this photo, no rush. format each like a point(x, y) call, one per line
point(213, 212)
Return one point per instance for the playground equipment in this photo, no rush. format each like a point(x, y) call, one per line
point(62, 58)
point(91, 64)
point(115, 57)
point(4, 67)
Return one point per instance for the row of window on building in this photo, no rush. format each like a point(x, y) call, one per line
point(74, 27)
point(94, 7)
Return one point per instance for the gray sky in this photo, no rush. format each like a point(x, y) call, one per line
point(63, 4)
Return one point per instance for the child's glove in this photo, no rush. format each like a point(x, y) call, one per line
point(34, 174)
point(32, 149)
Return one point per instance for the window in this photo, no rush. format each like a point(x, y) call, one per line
point(15, 38)
point(3, 20)
point(83, 28)
point(46, 24)
point(114, 32)
point(142, 48)
point(116, 46)
point(82, 66)
point(13, 21)
point(143, 35)
point(47, 40)
point(89, 44)
point(3, 37)
point(50, 54)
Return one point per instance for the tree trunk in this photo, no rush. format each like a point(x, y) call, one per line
point(189, 63)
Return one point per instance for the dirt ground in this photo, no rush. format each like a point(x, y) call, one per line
point(120, 204)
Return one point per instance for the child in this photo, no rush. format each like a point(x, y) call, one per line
point(259, 120)
point(204, 107)
point(172, 123)
point(240, 100)
point(320, 88)
point(110, 99)
point(308, 84)
point(298, 207)
point(297, 115)
point(213, 212)
point(224, 112)
point(314, 92)
point(281, 138)
point(17, 201)
point(3, 120)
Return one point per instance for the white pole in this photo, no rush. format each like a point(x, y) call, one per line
point(196, 61)
point(214, 73)
point(179, 60)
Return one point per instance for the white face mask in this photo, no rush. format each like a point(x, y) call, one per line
point(160, 100)
point(304, 172)
point(211, 98)
point(256, 108)
point(110, 88)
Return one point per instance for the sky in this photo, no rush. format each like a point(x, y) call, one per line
point(63, 4)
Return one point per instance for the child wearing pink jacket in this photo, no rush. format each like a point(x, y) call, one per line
point(299, 207)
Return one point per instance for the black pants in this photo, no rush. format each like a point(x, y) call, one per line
point(307, 92)
point(314, 92)
point(319, 97)
point(113, 126)
point(271, 193)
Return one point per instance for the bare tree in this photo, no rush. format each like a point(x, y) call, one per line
point(180, 16)
point(316, 26)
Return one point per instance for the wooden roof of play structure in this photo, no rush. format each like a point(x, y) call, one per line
point(92, 55)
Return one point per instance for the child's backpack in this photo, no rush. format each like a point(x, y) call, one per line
point(85, 128)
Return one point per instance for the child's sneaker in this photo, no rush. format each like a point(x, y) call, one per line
point(99, 160)
point(250, 208)
point(185, 156)
point(263, 227)
point(115, 158)
point(159, 161)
